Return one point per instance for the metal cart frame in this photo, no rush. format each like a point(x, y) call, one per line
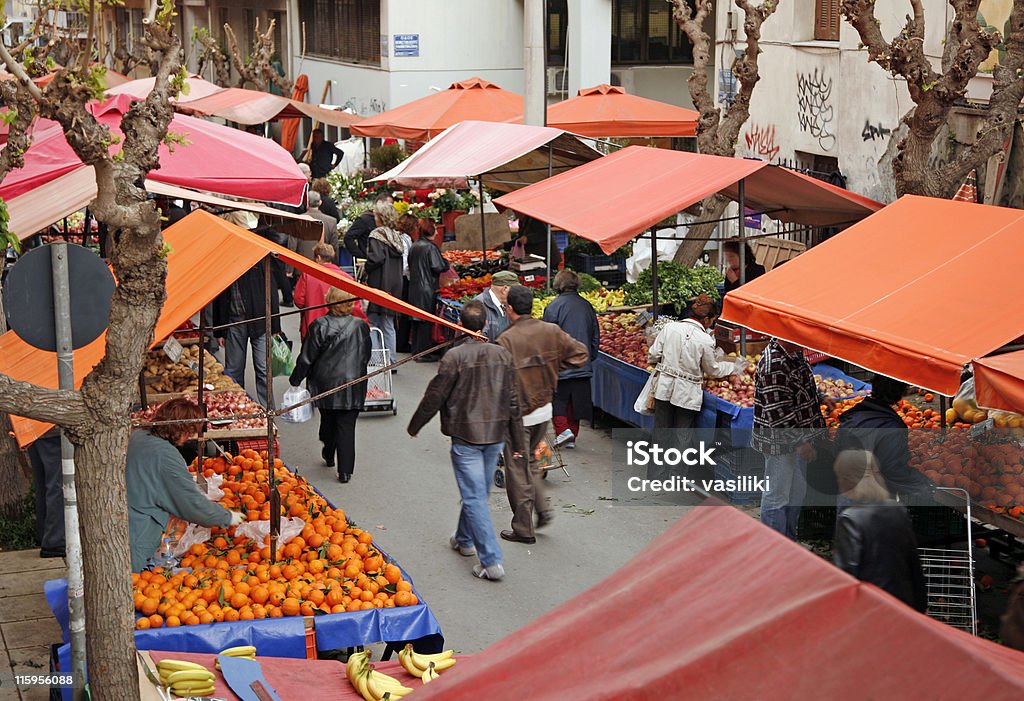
point(379, 359)
point(949, 578)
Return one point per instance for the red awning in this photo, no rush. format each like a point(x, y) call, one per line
point(253, 107)
point(721, 607)
point(427, 117)
point(612, 199)
point(207, 254)
point(894, 293)
point(999, 382)
point(606, 111)
point(214, 158)
point(507, 155)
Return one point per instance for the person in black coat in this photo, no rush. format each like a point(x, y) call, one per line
point(875, 539)
point(573, 399)
point(245, 300)
point(425, 267)
point(336, 350)
point(874, 425)
point(328, 205)
point(359, 233)
point(731, 251)
point(383, 268)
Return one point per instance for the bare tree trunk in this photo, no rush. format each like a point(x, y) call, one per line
point(12, 461)
point(692, 247)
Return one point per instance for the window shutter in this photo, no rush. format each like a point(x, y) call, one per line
point(826, 20)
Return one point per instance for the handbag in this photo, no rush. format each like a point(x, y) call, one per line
point(644, 404)
point(281, 360)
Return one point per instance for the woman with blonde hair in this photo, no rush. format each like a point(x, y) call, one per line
point(384, 262)
point(336, 351)
point(875, 539)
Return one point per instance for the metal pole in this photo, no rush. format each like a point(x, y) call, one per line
point(742, 228)
point(483, 221)
point(201, 393)
point(72, 538)
point(548, 256)
point(654, 273)
point(942, 412)
point(275, 498)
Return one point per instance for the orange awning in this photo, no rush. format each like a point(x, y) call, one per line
point(898, 292)
point(607, 111)
point(420, 120)
point(253, 107)
point(612, 199)
point(207, 254)
point(999, 382)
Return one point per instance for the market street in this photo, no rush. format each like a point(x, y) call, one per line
point(404, 493)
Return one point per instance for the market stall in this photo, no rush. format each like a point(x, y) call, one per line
point(755, 616)
point(609, 111)
point(999, 381)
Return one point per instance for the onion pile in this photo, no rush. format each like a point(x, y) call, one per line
point(222, 405)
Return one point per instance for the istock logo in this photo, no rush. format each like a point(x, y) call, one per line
point(645, 453)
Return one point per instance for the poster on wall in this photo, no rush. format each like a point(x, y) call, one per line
point(407, 45)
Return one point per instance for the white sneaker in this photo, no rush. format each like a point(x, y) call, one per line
point(493, 573)
point(565, 437)
point(464, 550)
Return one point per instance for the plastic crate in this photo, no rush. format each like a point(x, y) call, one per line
point(257, 444)
point(740, 463)
point(592, 265)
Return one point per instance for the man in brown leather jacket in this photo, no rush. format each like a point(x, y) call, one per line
point(539, 352)
point(475, 391)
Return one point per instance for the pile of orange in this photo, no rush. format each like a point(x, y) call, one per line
point(331, 567)
point(912, 415)
point(990, 469)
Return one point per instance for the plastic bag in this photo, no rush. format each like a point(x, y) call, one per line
point(448, 277)
point(644, 404)
point(300, 414)
point(259, 530)
point(193, 535)
point(282, 362)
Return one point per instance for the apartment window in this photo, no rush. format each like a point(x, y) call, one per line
point(644, 32)
point(556, 26)
point(826, 20)
point(347, 30)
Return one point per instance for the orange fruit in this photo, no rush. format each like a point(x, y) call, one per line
point(172, 621)
point(143, 624)
point(156, 620)
point(290, 606)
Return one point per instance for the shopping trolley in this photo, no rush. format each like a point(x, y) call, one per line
point(949, 578)
point(549, 457)
point(379, 395)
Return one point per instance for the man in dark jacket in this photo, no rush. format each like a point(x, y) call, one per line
point(245, 300)
point(495, 301)
point(324, 155)
point(358, 234)
point(475, 391)
point(539, 352)
point(327, 204)
point(574, 315)
point(874, 425)
point(425, 267)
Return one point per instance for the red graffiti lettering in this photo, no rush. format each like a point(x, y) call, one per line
point(761, 141)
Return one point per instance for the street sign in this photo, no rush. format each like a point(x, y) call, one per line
point(407, 45)
point(28, 297)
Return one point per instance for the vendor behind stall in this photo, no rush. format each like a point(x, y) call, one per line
point(731, 251)
point(533, 240)
point(159, 483)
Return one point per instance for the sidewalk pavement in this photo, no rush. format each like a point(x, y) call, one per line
point(27, 627)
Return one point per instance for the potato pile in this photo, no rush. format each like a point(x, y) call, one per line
point(164, 377)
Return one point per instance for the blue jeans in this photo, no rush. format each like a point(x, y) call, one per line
point(386, 323)
point(787, 485)
point(474, 467)
point(236, 340)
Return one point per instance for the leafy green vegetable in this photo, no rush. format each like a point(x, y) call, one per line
point(588, 283)
point(676, 285)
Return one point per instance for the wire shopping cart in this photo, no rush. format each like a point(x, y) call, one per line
point(548, 458)
point(949, 578)
point(379, 392)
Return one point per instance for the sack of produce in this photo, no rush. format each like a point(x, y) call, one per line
point(300, 414)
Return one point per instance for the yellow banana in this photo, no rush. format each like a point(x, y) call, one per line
point(240, 651)
point(429, 675)
point(362, 679)
point(193, 690)
point(444, 664)
point(437, 656)
point(405, 657)
point(379, 683)
point(177, 666)
point(356, 662)
point(187, 675)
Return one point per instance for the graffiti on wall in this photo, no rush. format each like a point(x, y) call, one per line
point(814, 107)
point(870, 132)
point(760, 141)
point(360, 105)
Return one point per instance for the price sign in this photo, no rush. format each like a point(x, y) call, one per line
point(173, 349)
point(982, 428)
point(529, 278)
point(643, 318)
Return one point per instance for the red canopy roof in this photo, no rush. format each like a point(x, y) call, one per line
point(427, 117)
point(214, 158)
point(721, 607)
point(999, 382)
point(611, 111)
point(612, 199)
point(207, 254)
point(891, 293)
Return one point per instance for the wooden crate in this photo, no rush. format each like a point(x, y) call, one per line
point(770, 252)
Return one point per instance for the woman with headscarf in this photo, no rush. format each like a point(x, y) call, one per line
point(383, 268)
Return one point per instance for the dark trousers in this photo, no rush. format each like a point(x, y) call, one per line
point(280, 272)
point(524, 484)
point(338, 434)
point(46, 473)
point(422, 336)
point(404, 324)
point(572, 402)
point(673, 428)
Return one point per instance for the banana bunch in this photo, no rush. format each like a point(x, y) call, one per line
point(425, 665)
point(246, 651)
point(185, 678)
point(371, 684)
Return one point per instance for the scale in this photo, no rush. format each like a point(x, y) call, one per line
point(529, 264)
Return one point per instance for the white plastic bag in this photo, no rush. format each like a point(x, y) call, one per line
point(259, 530)
point(301, 414)
point(644, 404)
point(193, 535)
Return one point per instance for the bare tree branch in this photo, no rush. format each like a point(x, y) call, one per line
point(41, 403)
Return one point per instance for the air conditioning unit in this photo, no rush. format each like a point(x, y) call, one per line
point(558, 82)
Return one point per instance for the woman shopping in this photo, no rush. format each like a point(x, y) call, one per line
point(336, 350)
point(384, 261)
point(159, 484)
point(683, 353)
point(425, 267)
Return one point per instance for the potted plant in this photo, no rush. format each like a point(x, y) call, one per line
point(448, 204)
